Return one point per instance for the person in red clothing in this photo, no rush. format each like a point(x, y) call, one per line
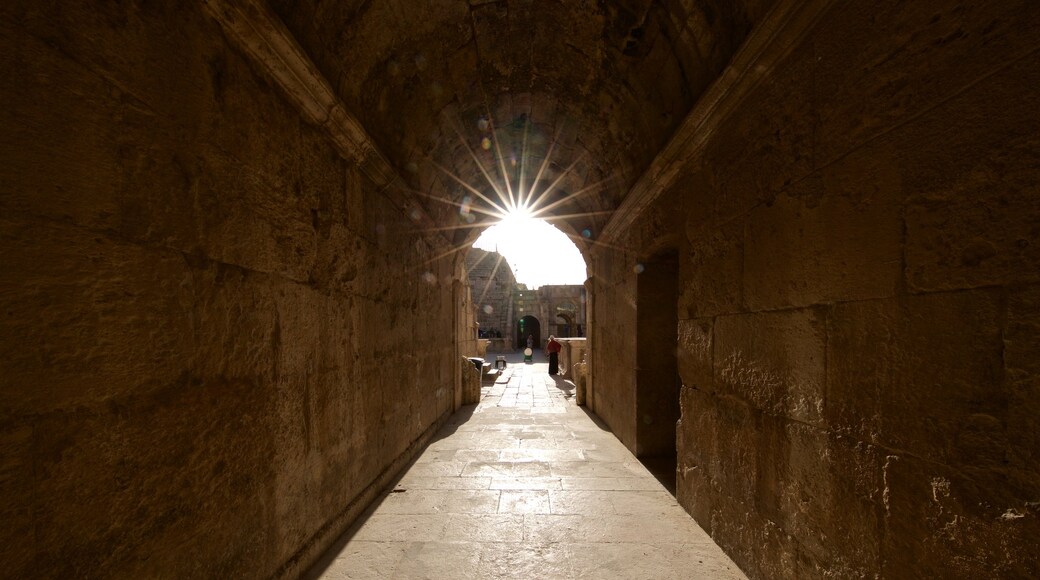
point(553, 350)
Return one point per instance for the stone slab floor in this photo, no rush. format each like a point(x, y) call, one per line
point(526, 485)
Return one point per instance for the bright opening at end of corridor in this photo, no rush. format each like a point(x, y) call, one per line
point(538, 252)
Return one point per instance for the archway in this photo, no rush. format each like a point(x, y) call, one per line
point(566, 323)
point(528, 326)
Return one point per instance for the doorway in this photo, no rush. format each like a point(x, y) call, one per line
point(528, 326)
point(657, 369)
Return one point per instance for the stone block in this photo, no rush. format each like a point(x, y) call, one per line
point(696, 439)
point(774, 361)
point(695, 195)
point(830, 491)
point(89, 159)
point(976, 225)
point(758, 546)
point(718, 449)
point(235, 315)
point(910, 373)
point(88, 318)
point(338, 258)
point(907, 60)
point(781, 497)
point(758, 152)
point(250, 217)
point(825, 243)
point(470, 382)
point(968, 206)
point(711, 272)
point(189, 466)
point(963, 523)
point(1022, 381)
point(694, 352)
point(17, 485)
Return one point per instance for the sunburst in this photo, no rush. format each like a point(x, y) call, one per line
point(498, 202)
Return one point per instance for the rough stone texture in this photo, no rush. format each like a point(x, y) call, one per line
point(563, 307)
point(220, 339)
point(617, 342)
point(210, 345)
point(493, 288)
point(773, 360)
point(600, 86)
point(613, 354)
point(470, 382)
point(859, 394)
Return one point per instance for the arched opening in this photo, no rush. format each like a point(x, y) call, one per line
point(657, 372)
point(564, 325)
point(528, 327)
point(568, 320)
point(528, 275)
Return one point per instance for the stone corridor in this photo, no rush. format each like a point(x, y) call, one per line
point(526, 484)
point(236, 306)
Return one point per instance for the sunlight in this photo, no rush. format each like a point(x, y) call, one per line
point(538, 252)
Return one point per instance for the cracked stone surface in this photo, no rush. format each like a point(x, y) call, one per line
point(526, 485)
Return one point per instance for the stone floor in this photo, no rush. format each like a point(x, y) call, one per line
point(526, 485)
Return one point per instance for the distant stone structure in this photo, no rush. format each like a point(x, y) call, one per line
point(492, 286)
point(502, 304)
point(562, 308)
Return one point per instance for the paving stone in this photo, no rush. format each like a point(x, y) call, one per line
point(578, 506)
point(524, 502)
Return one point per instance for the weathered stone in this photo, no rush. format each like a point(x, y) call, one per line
point(774, 361)
point(916, 56)
point(1021, 434)
point(938, 518)
point(826, 246)
point(696, 345)
point(225, 332)
point(711, 273)
point(80, 328)
point(969, 220)
point(470, 383)
point(493, 288)
point(759, 153)
point(720, 450)
point(893, 379)
point(830, 490)
point(192, 307)
point(17, 485)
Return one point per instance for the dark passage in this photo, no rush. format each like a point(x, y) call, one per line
point(657, 375)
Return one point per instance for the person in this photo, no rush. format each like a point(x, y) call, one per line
point(553, 349)
point(530, 341)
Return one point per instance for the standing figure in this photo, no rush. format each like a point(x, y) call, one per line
point(530, 341)
point(553, 349)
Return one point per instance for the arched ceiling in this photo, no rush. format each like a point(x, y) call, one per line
point(578, 93)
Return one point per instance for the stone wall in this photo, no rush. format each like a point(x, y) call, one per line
point(210, 346)
point(860, 306)
point(567, 299)
point(614, 285)
point(860, 303)
point(493, 287)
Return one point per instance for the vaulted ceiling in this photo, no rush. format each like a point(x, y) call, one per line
point(577, 93)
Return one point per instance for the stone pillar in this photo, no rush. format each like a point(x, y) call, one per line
point(470, 382)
